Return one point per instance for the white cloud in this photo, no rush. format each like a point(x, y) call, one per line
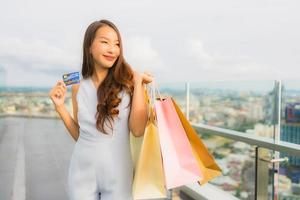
point(141, 54)
point(34, 62)
point(204, 59)
point(223, 67)
point(38, 54)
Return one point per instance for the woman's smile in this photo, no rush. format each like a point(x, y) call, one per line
point(109, 58)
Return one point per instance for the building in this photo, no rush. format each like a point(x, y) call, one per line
point(290, 132)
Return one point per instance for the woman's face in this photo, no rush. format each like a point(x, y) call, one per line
point(105, 48)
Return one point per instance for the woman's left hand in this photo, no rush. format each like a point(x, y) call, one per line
point(145, 77)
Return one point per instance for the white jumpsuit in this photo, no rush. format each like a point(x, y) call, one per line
point(101, 165)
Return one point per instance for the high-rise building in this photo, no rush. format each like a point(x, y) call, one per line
point(292, 113)
point(290, 132)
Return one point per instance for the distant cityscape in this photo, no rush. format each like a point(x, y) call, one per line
point(246, 111)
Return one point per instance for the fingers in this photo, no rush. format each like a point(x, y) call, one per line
point(148, 77)
point(145, 77)
point(61, 83)
point(58, 90)
point(148, 74)
point(145, 73)
point(62, 88)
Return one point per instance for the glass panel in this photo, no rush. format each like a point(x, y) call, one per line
point(242, 106)
point(290, 107)
point(288, 186)
point(237, 161)
point(287, 181)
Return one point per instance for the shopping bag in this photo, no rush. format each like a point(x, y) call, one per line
point(149, 182)
point(208, 167)
point(135, 147)
point(179, 162)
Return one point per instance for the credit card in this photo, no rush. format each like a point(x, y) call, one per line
point(71, 78)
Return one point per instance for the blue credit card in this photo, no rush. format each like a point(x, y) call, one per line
point(71, 78)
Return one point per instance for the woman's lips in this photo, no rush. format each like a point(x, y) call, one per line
point(110, 58)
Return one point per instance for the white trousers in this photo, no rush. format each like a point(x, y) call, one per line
point(100, 170)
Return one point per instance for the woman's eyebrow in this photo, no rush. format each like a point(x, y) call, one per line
point(107, 38)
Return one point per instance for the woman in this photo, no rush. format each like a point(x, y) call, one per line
point(107, 104)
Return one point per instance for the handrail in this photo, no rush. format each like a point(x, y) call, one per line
point(206, 192)
point(268, 143)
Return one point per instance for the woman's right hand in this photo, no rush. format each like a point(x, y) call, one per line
point(58, 94)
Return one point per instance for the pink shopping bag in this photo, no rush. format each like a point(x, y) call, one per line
point(179, 162)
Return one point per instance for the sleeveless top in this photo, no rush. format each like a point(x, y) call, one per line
point(100, 161)
point(87, 108)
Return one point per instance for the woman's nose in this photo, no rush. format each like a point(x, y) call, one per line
point(111, 49)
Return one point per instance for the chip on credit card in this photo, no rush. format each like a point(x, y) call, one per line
point(71, 78)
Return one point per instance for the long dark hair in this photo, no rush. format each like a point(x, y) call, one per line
point(119, 77)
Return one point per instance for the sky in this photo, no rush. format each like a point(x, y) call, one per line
point(176, 41)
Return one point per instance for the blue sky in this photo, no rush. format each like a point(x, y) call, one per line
point(195, 40)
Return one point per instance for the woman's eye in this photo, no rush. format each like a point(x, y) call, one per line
point(103, 42)
point(118, 44)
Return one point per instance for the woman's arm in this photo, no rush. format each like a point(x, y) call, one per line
point(57, 95)
point(69, 122)
point(139, 109)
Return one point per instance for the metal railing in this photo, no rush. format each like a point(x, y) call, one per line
point(193, 191)
point(259, 141)
point(262, 145)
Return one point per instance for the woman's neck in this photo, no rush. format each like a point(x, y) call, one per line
point(99, 75)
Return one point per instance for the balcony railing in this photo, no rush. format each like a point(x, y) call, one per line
point(268, 153)
point(193, 191)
